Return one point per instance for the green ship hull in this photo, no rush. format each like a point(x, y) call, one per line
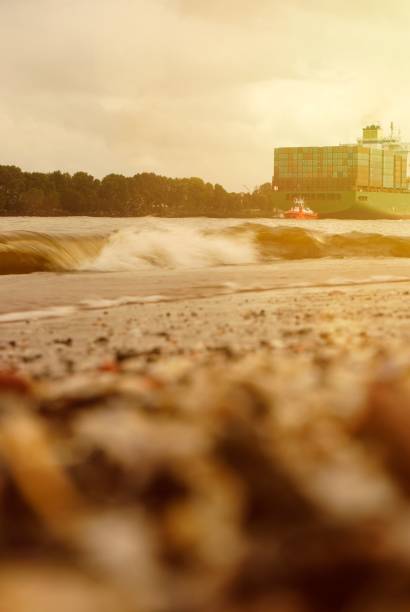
point(350, 204)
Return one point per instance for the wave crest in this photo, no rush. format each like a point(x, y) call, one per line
point(182, 246)
point(24, 252)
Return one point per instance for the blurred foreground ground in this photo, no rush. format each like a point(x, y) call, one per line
point(246, 452)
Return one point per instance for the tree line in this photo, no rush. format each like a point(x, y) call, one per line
point(63, 194)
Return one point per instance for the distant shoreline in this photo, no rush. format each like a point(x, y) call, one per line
point(57, 194)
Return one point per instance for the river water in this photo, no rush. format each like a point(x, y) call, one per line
point(49, 263)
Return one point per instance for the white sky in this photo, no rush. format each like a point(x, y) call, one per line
point(195, 87)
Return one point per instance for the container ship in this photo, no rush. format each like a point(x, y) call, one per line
point(366, 180)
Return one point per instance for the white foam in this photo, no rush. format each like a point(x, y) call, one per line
point(63, 311)
point(376, 278)
point(172, 246)
point(31, 315)
point(386, 278)
point(121, 301)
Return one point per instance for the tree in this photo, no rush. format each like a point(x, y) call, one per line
point(33, 202)
point(114, 195)
point(73, 202)
point(58, 193)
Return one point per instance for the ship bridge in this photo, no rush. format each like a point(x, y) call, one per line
point(374, 137)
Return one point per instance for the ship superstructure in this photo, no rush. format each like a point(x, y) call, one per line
point(368, 179)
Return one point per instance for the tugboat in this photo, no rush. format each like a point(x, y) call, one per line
point(300, 211)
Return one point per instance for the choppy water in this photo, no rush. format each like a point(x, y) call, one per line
point(102, 245)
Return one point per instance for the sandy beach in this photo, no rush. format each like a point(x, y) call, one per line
point(233, 452)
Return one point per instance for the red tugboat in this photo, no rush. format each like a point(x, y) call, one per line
point(300, 211)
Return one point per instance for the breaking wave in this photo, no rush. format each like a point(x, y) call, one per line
point(24, 252)
point(184, 246)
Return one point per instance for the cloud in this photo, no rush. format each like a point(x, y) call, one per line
point(185, 87)
point(229, 11)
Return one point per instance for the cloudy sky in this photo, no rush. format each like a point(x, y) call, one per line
point(195, 87)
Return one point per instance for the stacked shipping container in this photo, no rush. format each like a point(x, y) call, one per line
point(339, 168)
point(388, 170)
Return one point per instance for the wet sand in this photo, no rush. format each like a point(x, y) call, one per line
point(291, 306)
point(21, 293)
